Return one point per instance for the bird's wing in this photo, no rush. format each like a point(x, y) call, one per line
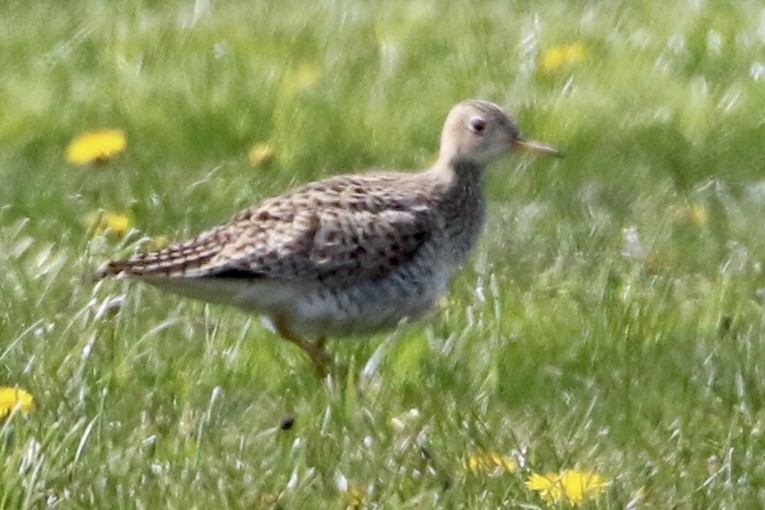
point(346, 228)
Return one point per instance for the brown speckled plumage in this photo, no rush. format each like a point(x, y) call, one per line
point(350, 254)
point(344, 229)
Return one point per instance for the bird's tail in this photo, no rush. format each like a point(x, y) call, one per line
point(178, 260)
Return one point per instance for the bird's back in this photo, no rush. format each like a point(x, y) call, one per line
point(346, 227)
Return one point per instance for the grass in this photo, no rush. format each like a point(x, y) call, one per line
point(610, 321)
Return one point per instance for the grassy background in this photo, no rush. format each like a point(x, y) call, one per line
point(611, 320)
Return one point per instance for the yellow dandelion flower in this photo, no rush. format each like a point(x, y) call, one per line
point(96, 146)
point(354, 498)
point(261, 154)
point(570, 486)
point(552, 59)
point(560, 56)
point(106, 222)
point(155, 243)
point(300, 78)
point(698, 215)
point(15, 398)
point(490, 463)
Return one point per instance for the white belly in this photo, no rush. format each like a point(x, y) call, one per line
point(314, 310)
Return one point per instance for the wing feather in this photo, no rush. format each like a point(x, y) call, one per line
point(346, 228)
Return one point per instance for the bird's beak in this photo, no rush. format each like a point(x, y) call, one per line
point(534, 146)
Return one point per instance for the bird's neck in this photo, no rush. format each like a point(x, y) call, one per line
point(457, 180)
point(459, 187)
point(469, 174)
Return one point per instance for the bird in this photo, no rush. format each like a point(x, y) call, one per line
point(350, 255)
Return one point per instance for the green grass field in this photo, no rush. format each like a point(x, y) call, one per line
point(611, 320)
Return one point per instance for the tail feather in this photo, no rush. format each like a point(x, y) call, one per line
point(177, 260)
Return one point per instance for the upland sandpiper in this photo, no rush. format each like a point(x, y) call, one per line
point(349, 255)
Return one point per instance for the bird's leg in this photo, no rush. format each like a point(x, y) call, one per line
point(321, 358)
point(316, 351)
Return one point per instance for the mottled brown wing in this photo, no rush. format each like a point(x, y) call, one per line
point(346, 228)
point(326, 244)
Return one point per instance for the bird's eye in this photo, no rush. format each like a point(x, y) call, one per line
point(477, 125)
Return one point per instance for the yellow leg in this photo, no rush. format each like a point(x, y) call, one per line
point(316, 351)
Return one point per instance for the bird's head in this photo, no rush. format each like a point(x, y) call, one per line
point(478, 132)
